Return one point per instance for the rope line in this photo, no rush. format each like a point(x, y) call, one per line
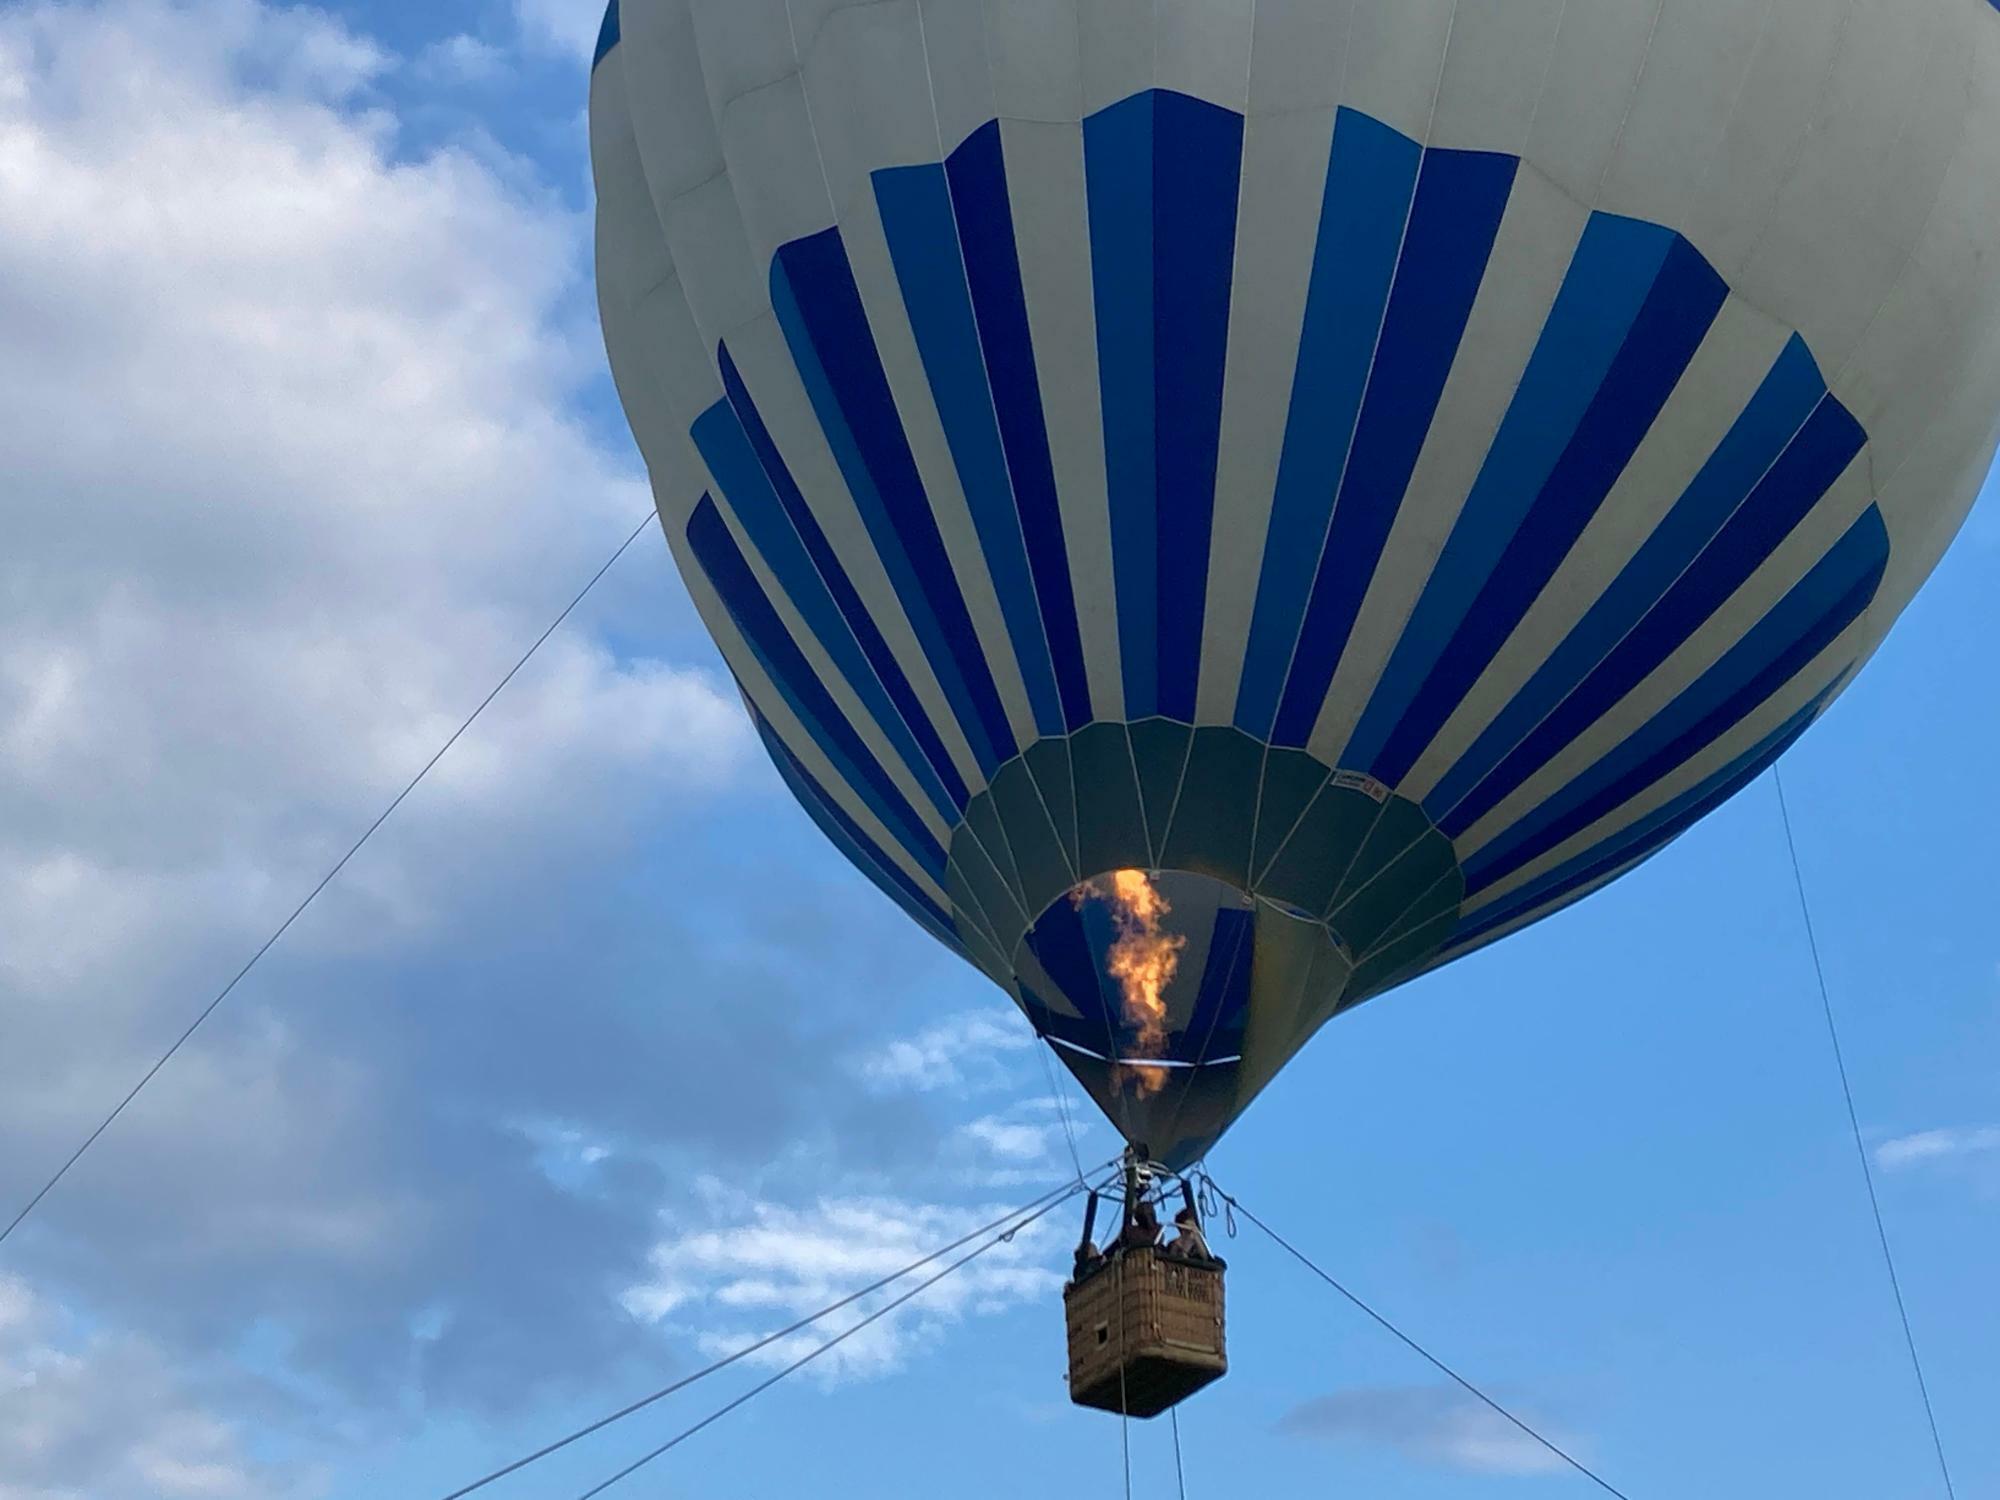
point(1437, 1364)
point(1066, 1193)
point(1058, 1195)
point(1062, 1106)
point(1180, 1474)
point(325, 881)
point(1124, 1410)
point(1860, 1145)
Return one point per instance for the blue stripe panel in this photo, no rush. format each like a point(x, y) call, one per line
point(1817, 457)
point(764, 632)
point(1647, 836)
point(1754, 443)
point(1454, 218)
point(1369, 180)
point(820, 310)
point(1804, 623)
point(725, 448)
point(1635, 306)
point(1222, 1004)
point(1163, 173)
point(1083, 1033)
point(1065, 947)
point(847, 599)
point(915, 204)
point(607, 35)
point(977, 171)
point(848, 837)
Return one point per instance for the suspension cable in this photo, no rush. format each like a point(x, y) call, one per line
point(1860, 1145)
point(1062, 1105)
point(1180, 1474)
point(1066, 1193)
point(1046, 1201)
point(1124, 1360)
point(326, 880)
point(1437, 1364)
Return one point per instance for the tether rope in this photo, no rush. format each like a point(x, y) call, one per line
point(1860, 1145)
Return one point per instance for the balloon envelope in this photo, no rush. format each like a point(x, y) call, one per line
point(1383, 467)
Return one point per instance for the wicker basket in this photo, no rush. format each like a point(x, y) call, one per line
point(1145, 1332)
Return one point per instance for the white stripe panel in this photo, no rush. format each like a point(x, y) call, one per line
point(1927, 375)
point(1298, 54)
point(745, 45)
point(871, 98)
point(1793, 559)
point(630, 256)
point(743, 662)
point(656, 339)
point(1759, 725)
point(765, 361)
point(1394, 60)
point(691, 181)
point(1284, 179)
point(1773, 114)
point(1202, 49)
point(1866, 177)
point(1495, 73)
point(729, 295)
point(685, 386)
point(1035, 51)
point(1936, 323)
point(766, 127)
point(961, 77)
point(1052, 228)
point(1925, 501)
point(630, 343)
point(669, 105)
point(657, 352)
point(868, 90)
point(1720, 381)
point(1696, 68)
point(1537, 238)
point(828, 673)
point(1118, 45)
point(1600, 51)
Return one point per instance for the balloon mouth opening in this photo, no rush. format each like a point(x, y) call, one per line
point(1145, 970)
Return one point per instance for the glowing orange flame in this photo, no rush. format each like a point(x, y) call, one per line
point(1144, 961)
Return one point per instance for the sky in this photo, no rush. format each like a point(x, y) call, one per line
point(598, 1061)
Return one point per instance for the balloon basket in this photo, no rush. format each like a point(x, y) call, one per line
point(1145, 1331)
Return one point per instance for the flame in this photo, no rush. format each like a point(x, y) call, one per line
point(1144, 961)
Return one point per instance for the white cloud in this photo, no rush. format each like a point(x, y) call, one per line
point(763, 1264)
point(1013, 1140)
point(108, 1417)
point(953, 1052)
point(293, 476)
point(567, 26)
point(297, 459)
point(1930, 1147)
point(1430, 1424)
point(462, 59)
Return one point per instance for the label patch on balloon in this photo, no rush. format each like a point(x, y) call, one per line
point(1361, 781)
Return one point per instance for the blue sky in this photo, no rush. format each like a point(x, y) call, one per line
point(599, 1060)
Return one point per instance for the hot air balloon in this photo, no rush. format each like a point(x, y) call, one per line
point(1220, 507)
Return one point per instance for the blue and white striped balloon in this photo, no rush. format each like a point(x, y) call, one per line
point(1385, 467)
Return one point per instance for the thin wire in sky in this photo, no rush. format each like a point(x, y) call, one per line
point(1435, 1363)
point(1860, 1145)
point(829, 1346)
point(326, 880)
